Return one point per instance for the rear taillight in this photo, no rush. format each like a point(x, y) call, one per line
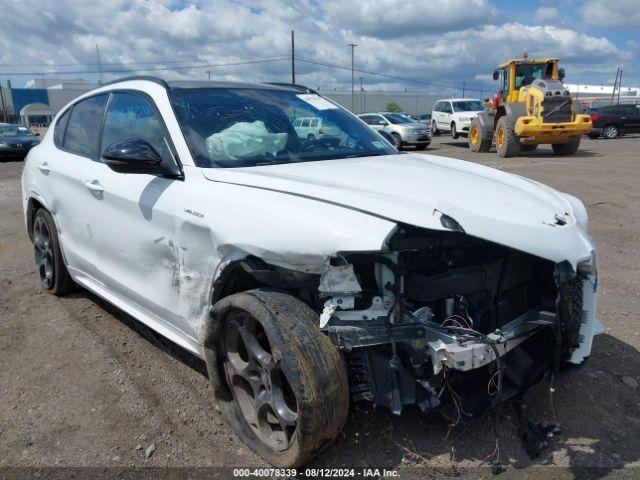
point(595, 116)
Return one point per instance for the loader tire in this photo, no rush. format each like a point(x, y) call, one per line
point(478, 141)
point(566, 148)
point(507, 143)
point(279, 381)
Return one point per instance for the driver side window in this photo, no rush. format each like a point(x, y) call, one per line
point(131, 115)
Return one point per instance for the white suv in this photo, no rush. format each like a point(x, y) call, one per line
point(454, 115)
point(302, 271)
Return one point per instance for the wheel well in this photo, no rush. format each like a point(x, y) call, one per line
point(251, 272)
point(32, 207)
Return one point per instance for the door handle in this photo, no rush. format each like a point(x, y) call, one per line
point(44, 168)
point(93, 185)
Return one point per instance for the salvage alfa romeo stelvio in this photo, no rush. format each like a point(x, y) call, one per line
point(309, 272)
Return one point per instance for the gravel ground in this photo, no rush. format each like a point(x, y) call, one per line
point(84, 385)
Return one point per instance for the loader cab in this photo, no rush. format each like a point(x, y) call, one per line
point(515, 74)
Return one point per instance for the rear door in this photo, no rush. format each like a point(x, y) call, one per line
point(68, 188)
point(630, 118)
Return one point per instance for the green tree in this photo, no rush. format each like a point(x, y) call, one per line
point(393, 107)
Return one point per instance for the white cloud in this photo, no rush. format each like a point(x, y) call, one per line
point(546, 14)
point(612, 13)
point(444, 43)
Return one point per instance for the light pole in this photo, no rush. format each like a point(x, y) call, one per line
point(209, 74)
point(353, 78)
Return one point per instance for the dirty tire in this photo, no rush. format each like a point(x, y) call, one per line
point(566, 148)
point(434, 129)
point(54, 276)
point(507, 143)
point(529, 147)
point(290, 357)
point(477, 137)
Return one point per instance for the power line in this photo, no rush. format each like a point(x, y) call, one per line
point(386, 75)
point(186, 67)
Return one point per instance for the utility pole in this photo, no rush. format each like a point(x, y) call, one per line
point(361, 103)
point(99, 64)
point(615, 82)
point(4, 105)
point(293, 58)
point(208, 72)
point(353, 77)
point(463, 85)
point(619, 86)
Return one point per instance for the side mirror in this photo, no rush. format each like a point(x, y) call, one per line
point(496, 74)
point(561, 74)
point(135, 155)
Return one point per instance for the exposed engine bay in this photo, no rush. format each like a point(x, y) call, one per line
point(451, 322)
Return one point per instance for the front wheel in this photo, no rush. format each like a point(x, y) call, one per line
point(566, 148)
point(434, 128)
point(610, 132)
point(280, 382)
point(454, 131)
point(53, 273)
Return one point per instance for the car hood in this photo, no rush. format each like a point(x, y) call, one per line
point(419, 189)
point(417, 125)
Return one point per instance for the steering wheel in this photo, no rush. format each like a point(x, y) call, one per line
point(327, 142)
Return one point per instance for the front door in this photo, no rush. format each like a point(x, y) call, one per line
point(135, 220)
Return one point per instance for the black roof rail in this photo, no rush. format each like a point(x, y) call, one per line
point(149, 78)
point(292, 85)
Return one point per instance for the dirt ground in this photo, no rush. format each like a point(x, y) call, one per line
point(84, 385)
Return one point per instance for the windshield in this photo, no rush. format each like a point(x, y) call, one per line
point(468, 106)
point(15, 131)
point(526, 73)
point(397, 118)
point(227, 127)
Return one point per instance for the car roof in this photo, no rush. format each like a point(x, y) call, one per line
point(195, 84)
point(459, 100)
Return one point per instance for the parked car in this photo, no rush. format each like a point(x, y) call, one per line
point(405, 131)
point(313, 128)
point(454, 115)
point(611, 121)
point(424, 118)
point(16, 140)
point(301, 272)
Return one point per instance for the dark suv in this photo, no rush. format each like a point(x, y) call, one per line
point(613, 120)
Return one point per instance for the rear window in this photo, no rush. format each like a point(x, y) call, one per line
point(82, 133)
point(61, 126)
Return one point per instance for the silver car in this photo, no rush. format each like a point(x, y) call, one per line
point(402, 128)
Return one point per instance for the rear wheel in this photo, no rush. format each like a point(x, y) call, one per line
point(507, 143)
point(478, 141)
point(280, 382)
point(434, 128)
point(398, 140)
point(53, 273)
point(610, 131)
point(566, 148)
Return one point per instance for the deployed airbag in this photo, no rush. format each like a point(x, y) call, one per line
point(245, 140)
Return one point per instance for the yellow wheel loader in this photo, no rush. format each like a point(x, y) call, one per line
point(533, 107)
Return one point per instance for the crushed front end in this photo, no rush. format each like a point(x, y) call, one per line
point(453, 323)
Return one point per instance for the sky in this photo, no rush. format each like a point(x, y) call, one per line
point(422, 45)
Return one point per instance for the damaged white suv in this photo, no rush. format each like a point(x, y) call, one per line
point(309, 273)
